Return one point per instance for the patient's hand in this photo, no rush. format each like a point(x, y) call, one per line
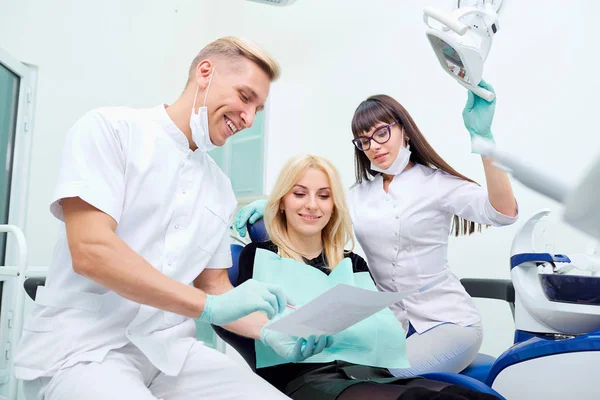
point(294, 349)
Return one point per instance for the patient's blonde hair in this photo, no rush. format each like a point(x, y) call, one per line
point(232, 49)
point(338, 231)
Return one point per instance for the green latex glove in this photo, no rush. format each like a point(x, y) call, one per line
point(294, 349)
point(249, 297)
point(249, 214)
point(478, 115)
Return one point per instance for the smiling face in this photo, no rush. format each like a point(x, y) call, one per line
point(308, 206)
point(235, 94)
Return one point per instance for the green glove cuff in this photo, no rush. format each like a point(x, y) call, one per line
point(489, 138)
point(206, 315)
point(263, 335)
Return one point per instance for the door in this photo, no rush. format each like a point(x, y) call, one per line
point(16, 95)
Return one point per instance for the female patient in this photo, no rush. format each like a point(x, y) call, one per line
point(308, 220)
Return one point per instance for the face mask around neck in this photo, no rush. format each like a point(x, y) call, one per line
point(399, 164)
point(199, 122)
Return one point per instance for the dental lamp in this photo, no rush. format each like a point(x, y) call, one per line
point(462, 40)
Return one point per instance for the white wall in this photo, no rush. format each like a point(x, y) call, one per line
point(334, 53)
point(92, 54)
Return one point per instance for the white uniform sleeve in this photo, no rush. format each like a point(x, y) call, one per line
point(92, 167)
point(470, 201)
point(222, 257)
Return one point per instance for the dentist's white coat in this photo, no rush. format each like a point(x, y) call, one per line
point(173, 207)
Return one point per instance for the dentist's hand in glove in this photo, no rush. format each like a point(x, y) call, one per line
point(478, 115)
point(249, 214)
point(247, 298)
point(294, 349)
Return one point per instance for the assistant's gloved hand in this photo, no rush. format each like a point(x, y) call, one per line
point(294, 349)
point(249, 297)
point(478, 115)
point(249, 214)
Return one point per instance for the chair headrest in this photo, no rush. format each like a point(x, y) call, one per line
point(258, 232)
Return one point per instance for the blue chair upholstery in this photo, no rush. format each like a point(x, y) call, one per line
point(480, 367)
point(236, 250)
point(258, 232)
point(462, 381)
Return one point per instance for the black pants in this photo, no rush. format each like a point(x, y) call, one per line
point(344, 381)
point(415, 389)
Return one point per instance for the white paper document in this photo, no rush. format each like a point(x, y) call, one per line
point(339, 308)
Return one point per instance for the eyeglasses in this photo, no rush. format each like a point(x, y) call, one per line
point(381, 136)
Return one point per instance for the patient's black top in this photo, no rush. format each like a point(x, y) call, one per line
point(280, 375)
point(246, 262)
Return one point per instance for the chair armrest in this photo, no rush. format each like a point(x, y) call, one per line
point(499, 289)
point(31, 285)
point(243, 345)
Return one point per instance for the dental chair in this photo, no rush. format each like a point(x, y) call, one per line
point(557, 319)
point(555, 300)
point(245, 346)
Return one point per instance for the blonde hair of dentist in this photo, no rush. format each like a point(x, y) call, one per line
point(232, 48)
point(338, 231)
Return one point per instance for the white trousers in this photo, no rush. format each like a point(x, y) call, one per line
point(126, 374)
point(445, 348)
